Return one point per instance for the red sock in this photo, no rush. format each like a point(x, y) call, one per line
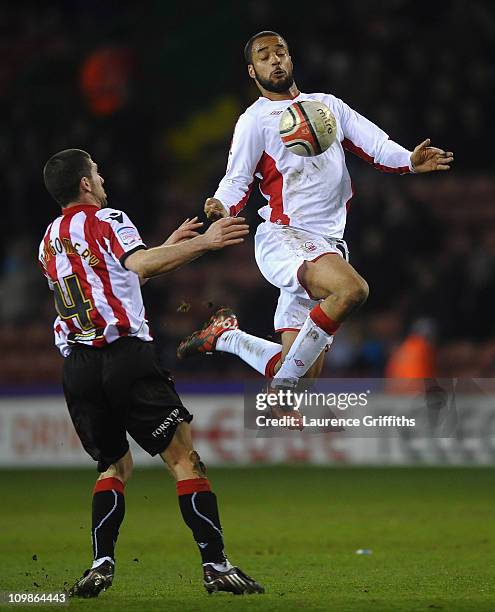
point(108, 514)
point(193, 485)
point(200, 513)
point(323, 321)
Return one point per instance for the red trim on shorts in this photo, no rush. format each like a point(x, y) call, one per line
point(299, 272)
point(270, 366)
point(109, 484)
point(282, 329)
point(324, 322)
point(322, 255)
point(192, 485)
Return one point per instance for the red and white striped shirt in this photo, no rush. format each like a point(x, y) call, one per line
point(98, 300)
point(310, 193)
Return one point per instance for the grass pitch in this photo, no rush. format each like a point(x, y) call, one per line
point(295, 529)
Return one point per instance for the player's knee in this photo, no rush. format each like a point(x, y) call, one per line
point(127, 469)
point(123, 468)
point(354, 294)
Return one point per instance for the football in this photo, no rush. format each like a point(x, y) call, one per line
point(307, 128)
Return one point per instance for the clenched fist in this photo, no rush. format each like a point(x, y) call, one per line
point(214, 209)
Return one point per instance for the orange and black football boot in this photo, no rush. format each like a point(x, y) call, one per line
point(205, 339)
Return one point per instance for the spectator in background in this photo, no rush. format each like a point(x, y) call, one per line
point(415, 357)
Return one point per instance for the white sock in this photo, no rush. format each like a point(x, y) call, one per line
point(257, 352)
point(221, 567)
point(98, 562)
point(305, 350)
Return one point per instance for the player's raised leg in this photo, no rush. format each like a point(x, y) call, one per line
point(288, 339)
point(108, 511)
point(342, 290)
point(198, 505)
point(221, 333)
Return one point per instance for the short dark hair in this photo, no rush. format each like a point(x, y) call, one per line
point(248, 49)
point(63, 172)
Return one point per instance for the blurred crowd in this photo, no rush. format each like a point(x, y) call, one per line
point(153, 95)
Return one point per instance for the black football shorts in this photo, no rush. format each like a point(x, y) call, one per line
point(121, 389)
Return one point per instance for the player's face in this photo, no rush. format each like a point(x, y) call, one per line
point(97, 185)
point(272, 64)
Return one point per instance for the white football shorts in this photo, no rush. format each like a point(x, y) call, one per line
point(280, 251)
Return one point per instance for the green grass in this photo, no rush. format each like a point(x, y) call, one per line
point(295, 529)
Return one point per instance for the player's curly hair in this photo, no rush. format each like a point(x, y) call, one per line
point(63, 173)
point(248, 49)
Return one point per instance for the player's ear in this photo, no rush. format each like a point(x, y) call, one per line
point(84, 184)
point(251, 71)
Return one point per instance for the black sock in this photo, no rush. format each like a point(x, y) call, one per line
point(108, 514)
point(200, 513)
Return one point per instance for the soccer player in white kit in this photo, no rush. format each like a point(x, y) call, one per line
point(299, 247)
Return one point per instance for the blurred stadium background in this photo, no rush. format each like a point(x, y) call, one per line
point(152, 90)
point(153, 93)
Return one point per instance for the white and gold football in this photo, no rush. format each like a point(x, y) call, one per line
point(307, 128)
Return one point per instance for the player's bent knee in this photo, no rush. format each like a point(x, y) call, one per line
point(362, 292)
point(355, 294)
point(121, 469)
point(126, 468)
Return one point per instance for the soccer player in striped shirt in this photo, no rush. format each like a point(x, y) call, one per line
point(94, 260)
point(299, 247)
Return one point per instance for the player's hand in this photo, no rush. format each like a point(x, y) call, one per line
point(226, 232)
point(214, 209)
point(427, 159)
point(185, 231)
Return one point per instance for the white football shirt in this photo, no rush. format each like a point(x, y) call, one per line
point(310, 193)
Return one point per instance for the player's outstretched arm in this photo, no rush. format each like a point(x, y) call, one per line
point(428, 159)
point(167, 257)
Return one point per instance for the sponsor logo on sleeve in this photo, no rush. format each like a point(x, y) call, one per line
point(128, 235)
point(117, 216)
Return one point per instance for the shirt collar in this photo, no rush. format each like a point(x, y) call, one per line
point(70, 210)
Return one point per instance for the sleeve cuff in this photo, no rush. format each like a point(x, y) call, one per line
point(127, 253)
point(410, 164)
